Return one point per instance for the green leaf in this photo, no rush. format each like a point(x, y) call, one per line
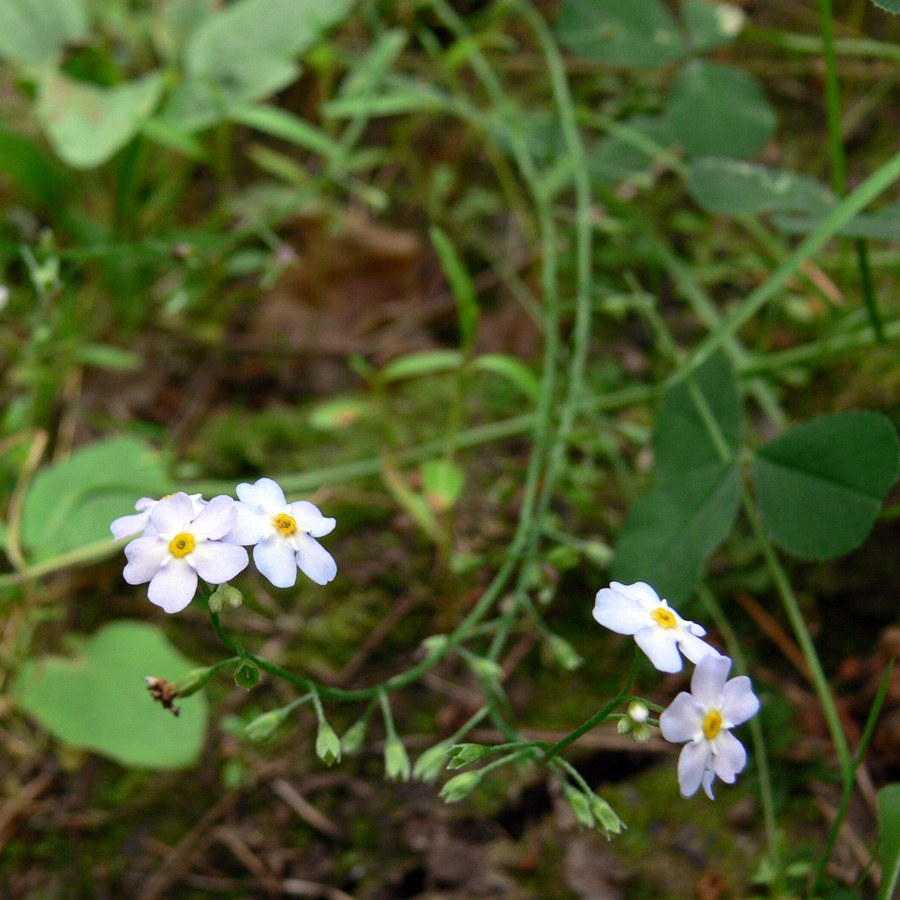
point(734, 187)
point(71, 504)
point(883, 225)
point(414, 365)
point(513, 370)
point(719, 111)
point(682, 439)
point(711, 24)
point(86, 123)
point(32, 32)
point(30, 169)
point(461, 286)
point(285, 125)
point(891, 6)
point(889, 838)
point(820, 485)
point(620, 32)
point(98, 700)
point(629, 149)
point(672, 530)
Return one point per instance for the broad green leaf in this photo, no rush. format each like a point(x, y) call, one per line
point(719, 111)
point(620, 32)
point(889, 838)
point(97, 699)
point(428, 362)
point(673, 529)
point(169, 134)
point(735, 187)
point(87, 123)
point(70, 504)
point(32, 32)
point(513, 370)
point(681, 438)
point(711, 24)
point(443, 482)
point(891, 6)
point(821, 484)
point(461, 286)
point(629, 148)
point(883, 225)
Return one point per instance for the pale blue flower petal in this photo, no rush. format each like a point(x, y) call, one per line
point(172, 515)
point(145, 556)
point(693, 647)
point(216, 562)
point(618, 611)
point(314, 560)
point(692, 764)
point(730, 756)
point(250, 524)
point(125, 526)
point(740, 703)
point(215, 519)
point(683, 720)
point(709, 680)
point(174, 585)
point(310, 519)
point(709, 776)
point(265, 493)
point(640, 592)
point(275, 558)
point(660, 646)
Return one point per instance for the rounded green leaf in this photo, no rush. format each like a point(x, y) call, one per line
point(735, 187)
point(86, 123)
point(711, 24)
point(32, 32)
point(719, 111)
point(821, 484)
point(98, 700)
point(621, 32)
point(891, 6)
point(71, 504)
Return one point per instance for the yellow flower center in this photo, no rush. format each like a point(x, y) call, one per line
point(181, 545)
point(663, 617)
point(712, 725)
point(286, 525)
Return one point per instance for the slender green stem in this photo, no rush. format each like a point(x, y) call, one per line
point(598, 717)
point(865, 280)
point(804, 639)
point(833, 101)
point(847, 792)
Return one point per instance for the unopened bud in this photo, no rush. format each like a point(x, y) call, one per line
point(225, 595)
point(328, 745)
point(580, 805)
point(353, 737)
point(564, 653)
point(459, 786)
point(641, 732)
point(396, 760)
point(638, 711)
point(464, 754)
point(265, 725)
point(192, 682)
point(432, 762)
point(605, 815)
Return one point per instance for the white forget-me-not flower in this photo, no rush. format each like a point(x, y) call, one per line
point(283, 534)
point(127, 526)
point(658, 630)
point(181, 544)
point(704, 718)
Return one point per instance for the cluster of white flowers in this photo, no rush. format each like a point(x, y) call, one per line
point(703, 718)
point(184, 537)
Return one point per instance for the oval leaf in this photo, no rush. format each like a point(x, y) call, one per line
point(719, 111)
point(711, 24)
point(734, 187)
point(98, 700)
point(32, 32)
point(621, 32)
point(821, 484)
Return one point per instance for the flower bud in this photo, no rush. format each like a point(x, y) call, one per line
point(225, 595)
point(396, 760)
point(460, 785)
point(641, 732)
point(432, 762)
point(580, 805)
point(464, 754)
point(485, 669)
point(434, 644)
point(624, 725)
point(353, 737)
point(638, 711)
point(328, 745)
point(264, 726)
point(191, 682)
point(605, 815)
point(564, 653)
